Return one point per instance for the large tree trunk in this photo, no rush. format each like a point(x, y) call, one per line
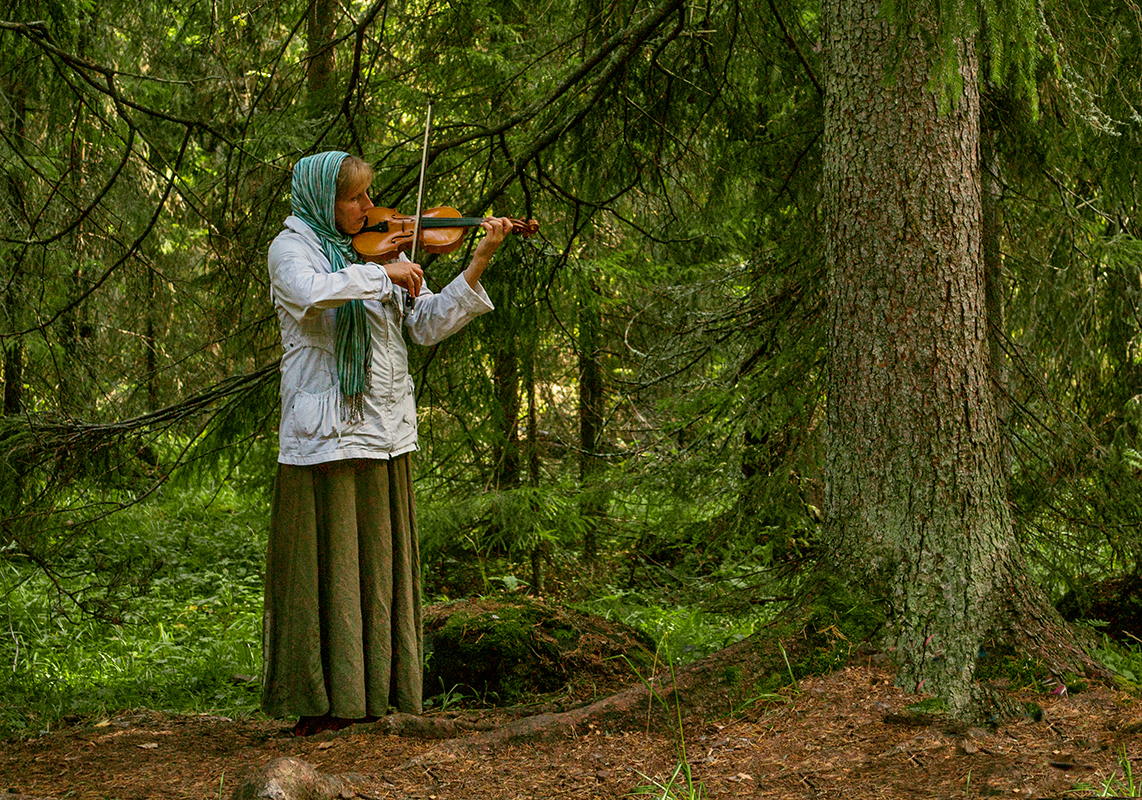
point(992, 221)
point(916, 501)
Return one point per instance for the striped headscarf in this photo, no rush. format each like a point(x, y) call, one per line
point(313, 194)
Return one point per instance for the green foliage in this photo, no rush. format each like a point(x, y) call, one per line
point(174, 186)
point(846, 611)
point(1013, 37)
point(191, 644)
point(1124, 659)
point(475, 544)
point(686, 632)
point(1073, 300)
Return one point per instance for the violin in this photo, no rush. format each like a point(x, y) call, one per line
point(387, 232)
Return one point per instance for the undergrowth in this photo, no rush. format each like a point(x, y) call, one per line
point(185, 637)
point(1124, 659)
point(189, 642)
point(687, 633)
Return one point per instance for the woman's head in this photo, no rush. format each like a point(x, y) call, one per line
point(355, 174)
point(353, 181)
point(330, 192)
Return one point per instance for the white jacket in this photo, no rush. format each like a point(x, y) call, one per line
point(306, 293)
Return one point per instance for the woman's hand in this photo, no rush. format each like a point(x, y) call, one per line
point(495, 229)
point(406, 274)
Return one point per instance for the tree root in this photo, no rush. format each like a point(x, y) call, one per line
point(653, 704)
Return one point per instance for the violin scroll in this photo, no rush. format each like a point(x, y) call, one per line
point(524, 228)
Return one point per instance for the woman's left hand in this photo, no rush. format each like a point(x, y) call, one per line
point(495, 229)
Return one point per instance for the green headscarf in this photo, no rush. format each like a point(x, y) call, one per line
point(313, 194)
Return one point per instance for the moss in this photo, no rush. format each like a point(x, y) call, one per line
point(501, 652)
point(839, 618)
point(486, 652)
point(834, 621)
point(854, 615)
point(732, 676)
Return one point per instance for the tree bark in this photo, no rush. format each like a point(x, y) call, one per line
point(916, 500)
point(13, 378)
point(320, 25)
point(15, 88)
point(505, 377)
point(592, 506)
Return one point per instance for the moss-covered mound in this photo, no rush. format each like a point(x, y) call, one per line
point(501, 651)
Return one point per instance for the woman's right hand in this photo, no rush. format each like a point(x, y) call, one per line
point(406, 274)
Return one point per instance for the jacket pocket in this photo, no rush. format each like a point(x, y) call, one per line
point(316, 416)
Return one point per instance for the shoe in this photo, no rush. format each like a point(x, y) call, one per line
point(311, 726)
point(307, 726)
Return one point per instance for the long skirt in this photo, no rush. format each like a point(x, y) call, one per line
point(342, 625)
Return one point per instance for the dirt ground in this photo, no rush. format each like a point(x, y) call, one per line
point(845, 735)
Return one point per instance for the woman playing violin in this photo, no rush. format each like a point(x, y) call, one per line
point(342, 637)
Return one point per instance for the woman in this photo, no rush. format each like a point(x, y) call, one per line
point(342, 626)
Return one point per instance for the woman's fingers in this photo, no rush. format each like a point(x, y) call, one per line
point(406, 274)
point(415, 279)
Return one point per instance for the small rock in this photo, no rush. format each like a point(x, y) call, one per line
point(292, 779)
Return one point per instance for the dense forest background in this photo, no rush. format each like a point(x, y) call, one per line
point(638, 427)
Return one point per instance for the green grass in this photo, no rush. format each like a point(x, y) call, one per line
point(1116, 785)
point(681, 784)
point(183, 646)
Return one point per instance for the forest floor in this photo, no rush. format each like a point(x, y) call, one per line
point(848, 735)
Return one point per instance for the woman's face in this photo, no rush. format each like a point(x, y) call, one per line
point(349, 210)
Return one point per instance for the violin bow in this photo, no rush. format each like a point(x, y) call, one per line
point(420, 191)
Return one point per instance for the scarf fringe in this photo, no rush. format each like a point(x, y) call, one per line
point(353, 403)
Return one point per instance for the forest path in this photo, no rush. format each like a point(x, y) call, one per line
point(848, 734)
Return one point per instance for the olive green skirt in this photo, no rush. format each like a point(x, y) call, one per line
point(342, 624)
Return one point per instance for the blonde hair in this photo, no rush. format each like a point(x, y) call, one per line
point(354, 174)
